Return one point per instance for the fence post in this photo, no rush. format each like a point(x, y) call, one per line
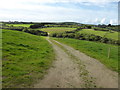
point(109, 52)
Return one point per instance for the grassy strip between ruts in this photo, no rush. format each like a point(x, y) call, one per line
point(95, 50)
point(88, 80)
point(25, 59)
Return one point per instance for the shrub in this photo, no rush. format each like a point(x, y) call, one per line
point(37, 26)
point(71, 35)
point(65, 35)
point(59, 35)
point(53, 35)
point(77, 36)
point(88, 37)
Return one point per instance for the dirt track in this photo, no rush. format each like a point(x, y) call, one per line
point(73, 69)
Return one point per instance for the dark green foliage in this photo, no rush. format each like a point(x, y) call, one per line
point(71, 35)
point(13, 28)
point(102, 26)
point(106, 27)
point(104, 40)
point(41, 25)
point(77, 36)
point(70, 31)
point(100, 29)
point(53, 35)
point(37, 32)
point(109, 25)
point(59, 35)
point(88, 37)
point(25, 29)
point(89, 27)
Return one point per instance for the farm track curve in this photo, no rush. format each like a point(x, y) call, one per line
point(74, 69)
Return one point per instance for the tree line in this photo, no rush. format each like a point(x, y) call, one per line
point(88, 37)
point(25, 29)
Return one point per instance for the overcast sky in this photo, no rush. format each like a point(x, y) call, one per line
point(83, 11)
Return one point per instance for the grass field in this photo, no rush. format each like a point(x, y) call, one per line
point(26, 58)
point(113, 35)
point(57, 29)
point(95, 50)
point(17, 25)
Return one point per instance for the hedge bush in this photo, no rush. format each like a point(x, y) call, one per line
point(88, 37)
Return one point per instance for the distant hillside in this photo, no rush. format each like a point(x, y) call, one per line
point(70, 23)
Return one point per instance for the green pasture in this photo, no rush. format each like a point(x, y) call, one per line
point(112, 35)
point(57, 29)
point(95, 50)
point(25, 58)
point(17, 25)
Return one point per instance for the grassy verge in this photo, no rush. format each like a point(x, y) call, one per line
point(95, 50)
point(88, 80)
point(25, 58)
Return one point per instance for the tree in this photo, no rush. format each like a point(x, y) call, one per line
point(109, 25)
point(25, 29)
point(89, 27)
point(37, 25)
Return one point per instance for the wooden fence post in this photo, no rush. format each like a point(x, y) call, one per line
point(109, 52)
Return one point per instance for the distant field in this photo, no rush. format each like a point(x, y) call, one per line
point(25, 58)
point(23, 25)
point(95, 50)
point(113, 35)
point(57, 29)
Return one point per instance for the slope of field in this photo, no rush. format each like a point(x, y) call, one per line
point(112, 35)
point(26, 58)
point(57, 29)
point(17, 25)
point(95, 50)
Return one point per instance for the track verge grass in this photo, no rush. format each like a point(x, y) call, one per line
point(25, 58)
point(95, 50)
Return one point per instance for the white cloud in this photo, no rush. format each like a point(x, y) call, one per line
point(96, 20)
point(28, 10)
point(113, 21)
point(25, 3)
point(103, 21)
point(13, 2)
point(119, 22)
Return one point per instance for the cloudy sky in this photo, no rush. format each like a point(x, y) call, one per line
point(83, 11)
